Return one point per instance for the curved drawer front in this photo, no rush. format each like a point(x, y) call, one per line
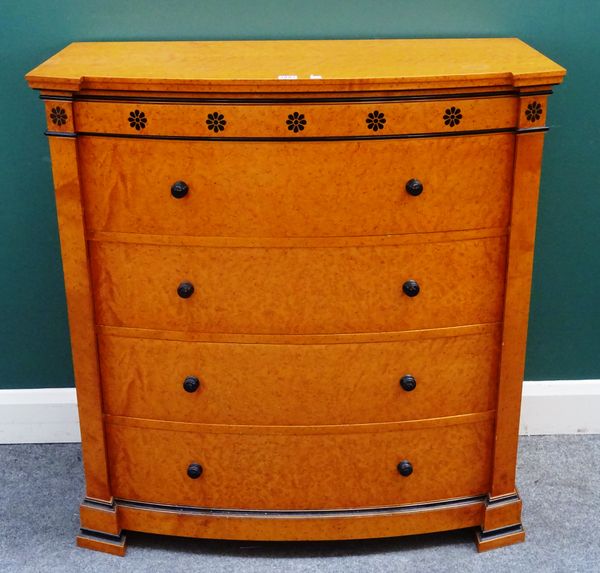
point(312, 469)
point(342, 188)
point(298, 290)
point(296, 119)
point(298, 384)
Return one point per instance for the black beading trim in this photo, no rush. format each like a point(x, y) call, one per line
point(300, 514)
point(275, 100)
point(506, 499)
point(60, 133)
point(98, 503)
point(500, 532)
point(109, 537)
point(56, 98)
point(309, 138)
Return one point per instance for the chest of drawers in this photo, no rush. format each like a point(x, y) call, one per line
point(297, 277)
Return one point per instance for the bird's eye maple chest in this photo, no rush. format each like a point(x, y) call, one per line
point(298, 276)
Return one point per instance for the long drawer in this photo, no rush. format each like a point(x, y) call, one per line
point(276, 189)
point(299, 290)
point(436, 374)
point(302, 468)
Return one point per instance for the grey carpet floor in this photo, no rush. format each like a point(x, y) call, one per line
point(559, 479)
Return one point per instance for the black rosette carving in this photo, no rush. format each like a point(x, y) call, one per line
point(216, 122)
point(452, 116)
point(296, 122)
point(376, 120)
point(534, 111)
point(58, 116)
point(137, 119)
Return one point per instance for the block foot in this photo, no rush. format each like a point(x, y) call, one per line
point(494, 538)
point(501, 523)
point(105, 542)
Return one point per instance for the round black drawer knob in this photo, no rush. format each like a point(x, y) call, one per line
point(179, 189)
point(194, 471)
point(408, 383)
point(185, 290)
point(414, 187)
point(191, 384)
point(405, 468)
point(411, 288)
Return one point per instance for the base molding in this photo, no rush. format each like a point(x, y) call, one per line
point(99, 516)
point(364, 523)
point(308, 525)
point(502, 511)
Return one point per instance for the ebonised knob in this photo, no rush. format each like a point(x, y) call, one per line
point(405, 468)
point(191, 384)
point(411, 288)
point(408, 383)
point(185, 290)
point(194, 471)
point(179, 189)
point(414, 187)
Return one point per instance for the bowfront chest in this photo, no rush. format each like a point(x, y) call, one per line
point(298, 277)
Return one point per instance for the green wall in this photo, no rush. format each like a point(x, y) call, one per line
point(564, 335)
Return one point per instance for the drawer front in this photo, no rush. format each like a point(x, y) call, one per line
point(266, 189)
point(300, 384)
point(295, 120)
point(298, 290)
point(309, 470)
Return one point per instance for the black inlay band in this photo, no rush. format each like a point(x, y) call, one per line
point(60, 133)
point(56, 98)
point(259, 101)
point(300, 139)
point(102, 535)
point(296, 514)
point(500, 532)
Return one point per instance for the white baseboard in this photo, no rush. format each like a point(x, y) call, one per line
point(560, 407)
point(40, 416)
point(49, 415)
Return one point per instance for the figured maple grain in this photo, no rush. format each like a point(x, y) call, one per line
point(295, 384)
point(518, 288)
point(345, 188)
point(319, 120)
point(298, 290)
point(317, 470)
point(78, 287)
point(315, 65)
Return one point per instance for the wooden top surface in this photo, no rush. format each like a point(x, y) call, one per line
point(304, 65)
